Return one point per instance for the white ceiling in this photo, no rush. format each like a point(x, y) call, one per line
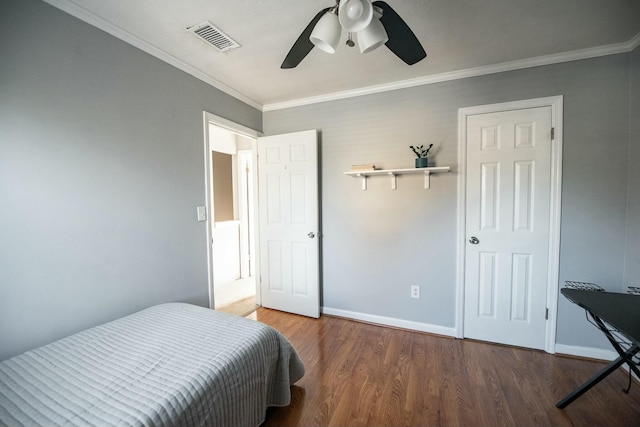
point(461, 37)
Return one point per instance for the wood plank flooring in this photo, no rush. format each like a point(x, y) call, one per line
point(359, 374)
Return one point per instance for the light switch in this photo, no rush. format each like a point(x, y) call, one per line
point(202, 213)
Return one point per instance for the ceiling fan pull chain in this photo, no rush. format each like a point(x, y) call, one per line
point(350, 41)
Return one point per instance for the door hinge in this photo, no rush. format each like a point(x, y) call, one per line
point(553, 133)
point(546, 314)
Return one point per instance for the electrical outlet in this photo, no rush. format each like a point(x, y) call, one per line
point(415, 291)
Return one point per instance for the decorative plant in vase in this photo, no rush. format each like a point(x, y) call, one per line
point(421, 153)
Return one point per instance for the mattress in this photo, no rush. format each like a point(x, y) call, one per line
point(169, 365)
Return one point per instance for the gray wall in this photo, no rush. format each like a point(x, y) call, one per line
point(101, 169)
point(632, 259)
point(379, 242)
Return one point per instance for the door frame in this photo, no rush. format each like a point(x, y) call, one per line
point(246, 207)
point(556, 104)
point(209, 118)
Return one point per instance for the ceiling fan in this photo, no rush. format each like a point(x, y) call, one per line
point(374, 24)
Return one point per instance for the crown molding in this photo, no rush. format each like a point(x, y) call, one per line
point(557, 58)
point(576, 55)
point(110, 28)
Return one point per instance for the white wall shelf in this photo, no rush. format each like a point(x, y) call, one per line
point(395, 172)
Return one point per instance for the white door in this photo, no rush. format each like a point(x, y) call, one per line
point(289, 240)
point(507, 226)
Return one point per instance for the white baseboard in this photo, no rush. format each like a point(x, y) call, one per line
point(390, 321)
point(589, 352)
point(592, 353)
point(571, 350)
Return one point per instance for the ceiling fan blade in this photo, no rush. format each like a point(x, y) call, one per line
point(402, 42)
point(303, 45)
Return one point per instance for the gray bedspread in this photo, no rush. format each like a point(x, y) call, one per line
point(169, 365)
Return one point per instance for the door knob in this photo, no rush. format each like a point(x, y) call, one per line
point(311, 235)
point(474, 240)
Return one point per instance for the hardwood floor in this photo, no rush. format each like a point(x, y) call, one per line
point(359, 374)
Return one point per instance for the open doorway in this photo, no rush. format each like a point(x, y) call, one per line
point(232, 228)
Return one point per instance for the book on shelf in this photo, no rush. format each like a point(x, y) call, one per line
point(363, 168)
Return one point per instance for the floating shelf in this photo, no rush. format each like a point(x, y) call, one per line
point(395, 172)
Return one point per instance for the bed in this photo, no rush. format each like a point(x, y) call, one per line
point(169, 365)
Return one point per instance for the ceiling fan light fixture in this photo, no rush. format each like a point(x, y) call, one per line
point(374, 35)
point(355, 15)
point(326, 34)
point(387, 27)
